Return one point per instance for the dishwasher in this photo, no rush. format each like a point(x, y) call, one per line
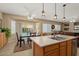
point(74, 51)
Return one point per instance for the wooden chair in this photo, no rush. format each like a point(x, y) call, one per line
point(29, 41)
point(20, 40)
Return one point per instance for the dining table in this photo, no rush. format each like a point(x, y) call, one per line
point(27, 36)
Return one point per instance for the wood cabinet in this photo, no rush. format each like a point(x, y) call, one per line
point(51, 47)
point(65, 27)
point(54, 52)
point(3, 40)
point(69, 48)
point(37, 51)
point(51, 50)
point(62, 48)
point(58, 49)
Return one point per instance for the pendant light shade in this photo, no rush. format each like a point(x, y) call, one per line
point(55, 16)
point(43, 11)
point(64, 18)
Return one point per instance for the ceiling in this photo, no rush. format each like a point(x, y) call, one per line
point(34, 9)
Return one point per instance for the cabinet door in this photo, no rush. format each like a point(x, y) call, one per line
point(63, 51)
point(37, 50)
point(1, 41)
point(4, 40)
point(69, 50)
point(63, 48)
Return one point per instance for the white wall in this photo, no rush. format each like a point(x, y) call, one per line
point(6, 22)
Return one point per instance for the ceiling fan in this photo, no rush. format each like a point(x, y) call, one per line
point(30, 16)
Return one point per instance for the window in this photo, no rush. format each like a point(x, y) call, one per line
point(57, 27)
point(26, 27)
point(46, 27)
point(13, 26)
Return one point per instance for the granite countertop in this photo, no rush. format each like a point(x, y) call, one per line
point(43, 41)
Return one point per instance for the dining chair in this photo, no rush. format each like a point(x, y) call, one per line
point(29, 41)
point(20, 40)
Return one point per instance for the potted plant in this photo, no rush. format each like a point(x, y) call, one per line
point(7, 32)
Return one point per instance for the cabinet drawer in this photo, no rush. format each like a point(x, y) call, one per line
point(52, 52)
point(62, 44)
point(69, 42)
point(51, 47)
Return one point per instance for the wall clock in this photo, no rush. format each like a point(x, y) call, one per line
point(53, 26)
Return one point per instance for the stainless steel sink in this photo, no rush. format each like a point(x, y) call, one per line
point(58, 38)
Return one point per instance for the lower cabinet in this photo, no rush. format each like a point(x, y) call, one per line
point(59, 49)
point(54, 53)
point(3, 40)
point(63, 51)
point(69, 48)
point(62, 48)
point(52, 50)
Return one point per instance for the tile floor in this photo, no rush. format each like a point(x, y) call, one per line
point(9, 48)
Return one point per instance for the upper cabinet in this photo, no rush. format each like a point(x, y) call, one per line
point(76, 26)
point(69, 27)
point(1, 16)
point(65, 27)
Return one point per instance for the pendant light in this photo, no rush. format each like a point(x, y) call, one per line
point(43, 11)
point(64, 18)
point(55, 16)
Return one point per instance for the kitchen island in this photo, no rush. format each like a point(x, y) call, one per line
point(50, 46)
